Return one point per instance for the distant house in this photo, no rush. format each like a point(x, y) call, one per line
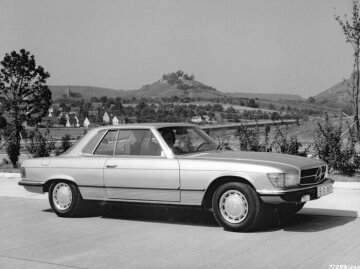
point(51, 112)
point(116, 120)
point(72, 120)
point(96, 105)
point(106, 118)
point(86, 123)
point(67, 121)
point(196, 119)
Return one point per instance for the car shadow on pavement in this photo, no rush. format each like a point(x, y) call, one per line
point(185, 216)
point(318, 220)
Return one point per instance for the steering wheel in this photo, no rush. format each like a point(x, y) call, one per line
point(202, 144)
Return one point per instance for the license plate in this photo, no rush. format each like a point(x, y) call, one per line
point(324, 190)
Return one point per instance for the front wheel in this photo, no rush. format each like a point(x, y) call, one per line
point(65, 199)
point(237, 207)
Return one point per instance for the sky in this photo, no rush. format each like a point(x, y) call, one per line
point(277, 46)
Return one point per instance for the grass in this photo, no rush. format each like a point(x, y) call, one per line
point(8, 168)
point(341, 178)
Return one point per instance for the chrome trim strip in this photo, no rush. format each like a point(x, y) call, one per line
point(192, 189)
point(138, 188)
point(30, 183)
point(279, 192)
point(121, 187)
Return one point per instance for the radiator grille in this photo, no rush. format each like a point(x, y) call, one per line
point(312, 175)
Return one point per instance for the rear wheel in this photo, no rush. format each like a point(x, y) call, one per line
point(237, 207)
point(65, 199)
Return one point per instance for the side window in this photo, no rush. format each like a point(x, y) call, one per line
point(107, 144)
point(150, 146)
point(123, 145)
point(89, 148)
point(137, 142)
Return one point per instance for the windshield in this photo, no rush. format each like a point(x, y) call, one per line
point(187, 139)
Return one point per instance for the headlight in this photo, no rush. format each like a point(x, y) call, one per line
point(277, 179)
point(292, 179)
point(284, 180)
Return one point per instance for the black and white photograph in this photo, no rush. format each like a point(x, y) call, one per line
point(179, 134)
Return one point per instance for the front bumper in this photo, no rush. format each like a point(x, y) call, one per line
point(292, 195)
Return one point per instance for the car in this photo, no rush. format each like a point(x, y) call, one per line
point(175, 164)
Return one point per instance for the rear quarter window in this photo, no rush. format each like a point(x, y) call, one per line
point(90, 147)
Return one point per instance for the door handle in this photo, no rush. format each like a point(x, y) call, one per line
point(111, 165)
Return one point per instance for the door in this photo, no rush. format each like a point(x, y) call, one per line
point(139, 170)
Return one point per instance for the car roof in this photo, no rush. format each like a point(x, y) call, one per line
point(144, 125)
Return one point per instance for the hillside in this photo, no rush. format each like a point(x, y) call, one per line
point(162, 88)
point(183, 85)
point(337, 95)
point(267, 96)
point(87, 92)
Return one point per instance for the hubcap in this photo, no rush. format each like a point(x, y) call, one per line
point(62, 196)
point(233, 206)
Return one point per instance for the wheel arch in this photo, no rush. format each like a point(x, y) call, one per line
point(207, 199)
point(54, 179)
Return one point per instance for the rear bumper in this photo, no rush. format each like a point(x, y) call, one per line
point(292, 196)
point(32, 186)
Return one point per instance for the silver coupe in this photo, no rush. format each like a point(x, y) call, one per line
point(175, 164)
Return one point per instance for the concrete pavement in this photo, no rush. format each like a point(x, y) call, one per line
point(32, 236)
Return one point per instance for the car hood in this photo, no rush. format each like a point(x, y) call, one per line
point(264, 158)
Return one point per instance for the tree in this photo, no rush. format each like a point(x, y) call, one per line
point(252, 103)
point(351, 29)
point(23, 92)
point(311, 100)
point(3, 122)
point(103, 99)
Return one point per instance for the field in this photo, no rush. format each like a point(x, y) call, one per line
point(57, 133)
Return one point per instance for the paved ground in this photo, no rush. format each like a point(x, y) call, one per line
point(31, 236)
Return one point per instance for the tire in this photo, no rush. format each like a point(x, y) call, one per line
point(237, 207)
point(290, 209)
point(65, 199)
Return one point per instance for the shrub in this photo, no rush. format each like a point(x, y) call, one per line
point(251, 140)
point(41, 145)
point(283, 143)
point(65, 143)
point(340, 155)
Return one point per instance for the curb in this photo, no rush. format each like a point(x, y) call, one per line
point(347, 185)
point(10, 175)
